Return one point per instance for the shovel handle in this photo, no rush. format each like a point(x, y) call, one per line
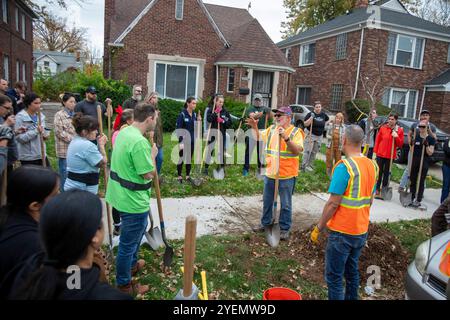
point(277, 175)
point(3, 198)
point(189, 254)
point(420, 169)
point(41, 140)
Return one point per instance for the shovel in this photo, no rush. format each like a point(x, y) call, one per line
point(272, 231)
point(420, 175)
point(153, 237)
point(386, 192)
point(41, 140)
point(406, 197)
point(219, 174)
point(197, 181)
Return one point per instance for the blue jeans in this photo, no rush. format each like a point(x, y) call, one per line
point(285, 190)
point(446, 182)
point(341, 260)
point(159, 160)
point(62, 165)
point(133, 226)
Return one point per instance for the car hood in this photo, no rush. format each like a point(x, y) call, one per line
point(438, 244)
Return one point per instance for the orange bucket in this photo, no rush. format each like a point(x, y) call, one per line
point(281, 294)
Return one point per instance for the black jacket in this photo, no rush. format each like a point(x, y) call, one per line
point(212, 118)
point(447, 152)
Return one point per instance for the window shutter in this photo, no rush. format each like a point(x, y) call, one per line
point(391, 48)
point(418, 53)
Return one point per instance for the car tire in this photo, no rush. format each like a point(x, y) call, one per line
point(299, 124)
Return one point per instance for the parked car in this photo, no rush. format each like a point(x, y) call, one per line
point(406, 123)
point(424, 281)
point(299, 113)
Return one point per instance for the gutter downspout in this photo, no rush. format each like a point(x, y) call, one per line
point(217, 78)
point(359, 62)
point(423, 98)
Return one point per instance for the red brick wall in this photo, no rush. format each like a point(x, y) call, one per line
point(160, 33)
point(16, 48)
point(438, 103)
point(239, 72)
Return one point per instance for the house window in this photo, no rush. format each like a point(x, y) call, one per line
point(304, 95)
point(230, 82)
point(405, 51)
point(337, 91)
point(341, 46)
point(23, 27)
point(176, 81)
point(46, 64)
point(5, 11)
point(24, 72)
point(179, 9)
point(288, 54)
point(17, 18)
point(402, 101)
point(18, 70)
point(307, 53)
point(6, 68)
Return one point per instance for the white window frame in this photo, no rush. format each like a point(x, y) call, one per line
point(179, 17)
point(287, 52)
point(228, 79)
point(6, 68)
point(163, 94)
point(17, 16)
point(407, 91)
point(298, 92)
point(413, 55)
point(24, 27)
point(17, 70)
point(300, 61)
point(5, 11)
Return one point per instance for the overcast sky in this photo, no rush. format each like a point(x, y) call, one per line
point(269, 13)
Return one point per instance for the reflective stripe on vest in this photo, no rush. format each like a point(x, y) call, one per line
point(444, 265)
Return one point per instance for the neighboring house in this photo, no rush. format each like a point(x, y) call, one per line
point(380, 43)
point(55, 62)
point(184, 48)
point(16, 41)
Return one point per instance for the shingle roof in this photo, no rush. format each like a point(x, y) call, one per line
point(361, 15)
point(125, 13)
point(63, 59)
point(441, 79)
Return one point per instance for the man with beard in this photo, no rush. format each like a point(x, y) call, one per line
point(89, 105)
point(132, 169)
point(131, 103)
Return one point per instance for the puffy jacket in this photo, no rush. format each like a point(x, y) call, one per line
point(28, 142)
point(383, 142)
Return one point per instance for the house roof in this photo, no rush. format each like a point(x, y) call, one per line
point(27, 9)
point(441, 79)
point(63, 59)
point(387, 17)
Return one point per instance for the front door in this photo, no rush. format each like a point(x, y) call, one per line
point(262, 84)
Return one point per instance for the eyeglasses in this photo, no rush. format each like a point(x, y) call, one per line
point(277, 115)
point(138, 90)
point(422, 127)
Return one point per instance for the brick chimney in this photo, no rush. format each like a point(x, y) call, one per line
point(361, 4)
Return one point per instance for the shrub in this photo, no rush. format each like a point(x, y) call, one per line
point(353, 115)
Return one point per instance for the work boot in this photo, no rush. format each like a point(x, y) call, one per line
point(134, 289)
point(137, 267)
point(284, 234)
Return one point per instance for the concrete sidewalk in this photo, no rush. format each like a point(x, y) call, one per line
point(223, 215)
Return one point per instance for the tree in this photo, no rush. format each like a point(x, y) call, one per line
point(53, 34)
point(437, 11)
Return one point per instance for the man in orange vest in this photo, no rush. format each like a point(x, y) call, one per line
point(291, 139)
point(346, 214)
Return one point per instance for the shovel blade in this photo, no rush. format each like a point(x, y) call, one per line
point(168, 257)
point(154, 239)
point(273, 234)
point(259, 176)
point(386, 193)
point(197, 182)
point(405, 198)
point(219, 174)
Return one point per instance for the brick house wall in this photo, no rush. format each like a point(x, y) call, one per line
point(327, 71)
point(164, 35)
point(15, 47)
point(440, 110)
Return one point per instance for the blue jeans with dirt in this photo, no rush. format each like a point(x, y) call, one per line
point(285, 190)
point(341, 260)
point(62, 165)
point(133, 227)
point(159, 160)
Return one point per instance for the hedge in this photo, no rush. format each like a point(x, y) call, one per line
point(353, 115)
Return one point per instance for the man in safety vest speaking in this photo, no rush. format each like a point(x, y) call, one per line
point(291, 144)
point(346, 214)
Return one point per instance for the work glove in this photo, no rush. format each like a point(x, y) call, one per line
point(6, 133)
point(220, 120)
point(315, 235)
point(313, 115)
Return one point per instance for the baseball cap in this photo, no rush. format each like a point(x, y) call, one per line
point(91, 89)
point(286, 110)
point(424, 112)
point(257, 96)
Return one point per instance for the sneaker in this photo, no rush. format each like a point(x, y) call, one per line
point(137, 267)
point(134, 289)
point(284, 234)
point(401, 189)
point(377, 195)
point(180, 180)
point(245, 173)
point(259, 229)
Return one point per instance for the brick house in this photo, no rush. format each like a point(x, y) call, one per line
point(379, 43)
point(184, 48)
point(16, 41)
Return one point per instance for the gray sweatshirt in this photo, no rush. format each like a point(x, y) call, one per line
point(28, 142)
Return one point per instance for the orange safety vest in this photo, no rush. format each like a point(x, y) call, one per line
point(289, 162)
point(352, 215)
point(444, 266)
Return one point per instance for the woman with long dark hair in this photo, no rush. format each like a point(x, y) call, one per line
point(29, 188)
point(186, 136)
point(28, 130)
point(84, 158)
point(71, 231)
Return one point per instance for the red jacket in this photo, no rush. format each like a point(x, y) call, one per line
point(383, 142)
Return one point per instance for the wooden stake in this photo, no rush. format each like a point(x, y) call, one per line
point(189, 254)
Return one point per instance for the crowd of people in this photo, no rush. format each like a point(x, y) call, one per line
point(45, 211)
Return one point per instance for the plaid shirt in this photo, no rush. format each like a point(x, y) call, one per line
point(64, 132)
